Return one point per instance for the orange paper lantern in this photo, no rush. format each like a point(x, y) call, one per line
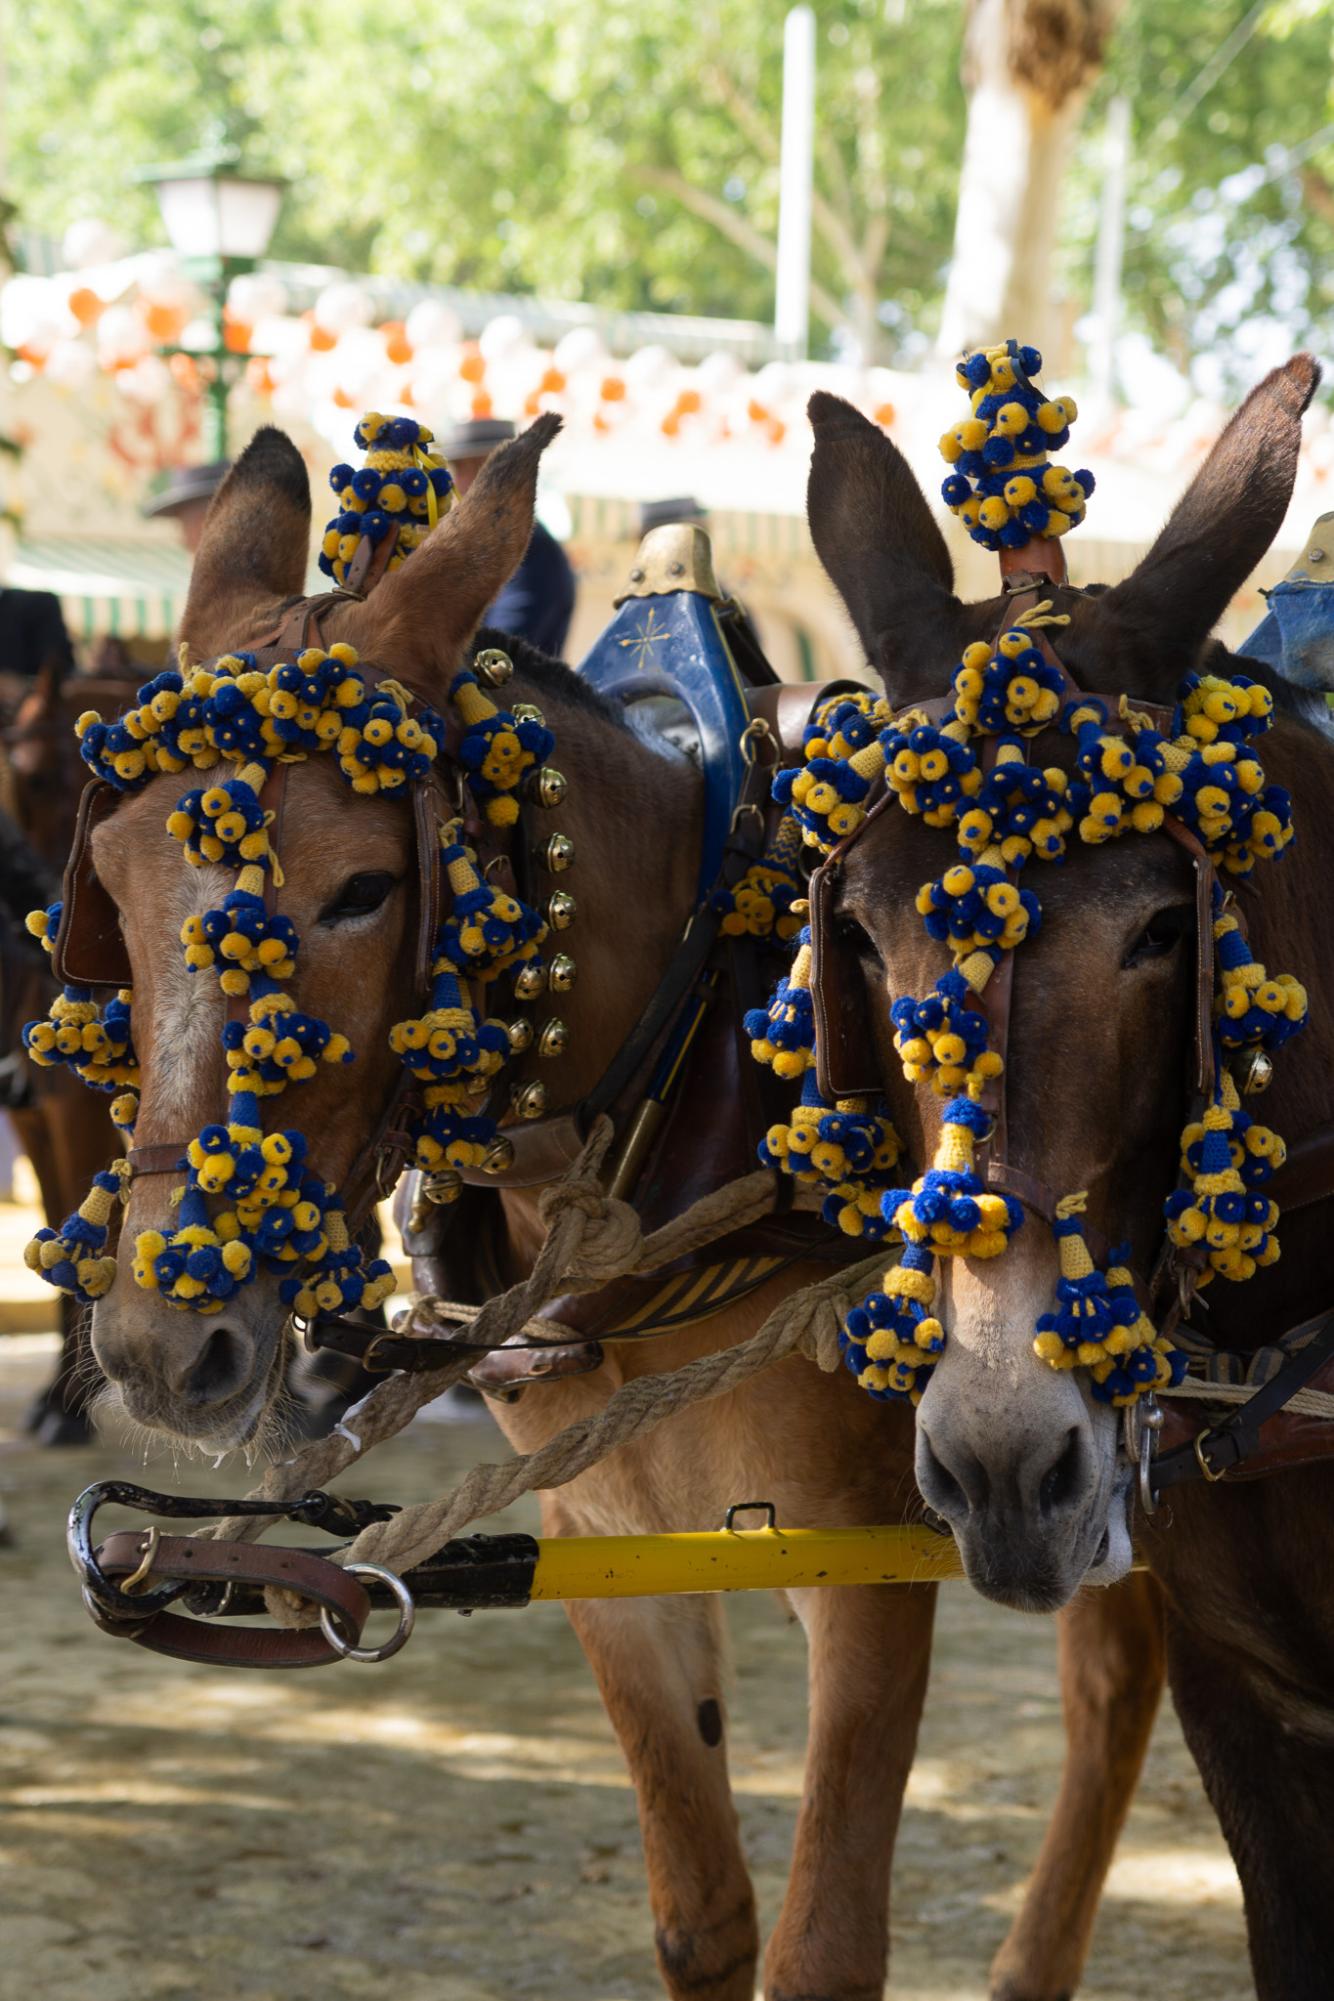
point(320, 340)
point(690, 402)
point(473, 367)
point(258, 377)
point(85, 305)
point(397, 346)
point(757, 412)
point(613, 389)
point(884, 415)
point(236, 334)
point(164, 322)
point(552, 383)
point(482, 405)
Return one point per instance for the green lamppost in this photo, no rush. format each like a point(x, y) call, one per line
point(220, 222)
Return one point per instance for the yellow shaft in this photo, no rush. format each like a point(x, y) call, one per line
point(649, 1566)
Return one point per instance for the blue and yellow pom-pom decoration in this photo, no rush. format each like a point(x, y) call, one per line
point(1003, 486)
point(397, 495)
point(250, 1199)
point(1126, 776)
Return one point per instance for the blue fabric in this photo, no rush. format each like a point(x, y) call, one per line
point(537, 603)
point(1296, 635)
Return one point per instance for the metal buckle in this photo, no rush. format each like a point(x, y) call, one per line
point(407, 1617)
point(1200, 1460)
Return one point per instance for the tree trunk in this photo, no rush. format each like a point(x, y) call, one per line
point(1028, 68)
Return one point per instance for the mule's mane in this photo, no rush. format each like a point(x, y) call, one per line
point(550, 677)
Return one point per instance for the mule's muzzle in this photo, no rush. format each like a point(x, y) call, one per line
point(205, 1378)
point(1030, 1518)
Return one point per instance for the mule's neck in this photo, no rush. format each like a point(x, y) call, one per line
point(634, 810)
point(1289, 915)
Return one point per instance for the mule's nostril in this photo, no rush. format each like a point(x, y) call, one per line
point(939, 1487)
point(220, 1369)
point(1061, 1480)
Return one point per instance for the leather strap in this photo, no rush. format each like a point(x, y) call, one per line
point(1224, 1447)
point(200, 1560)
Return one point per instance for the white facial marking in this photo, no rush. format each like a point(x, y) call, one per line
point(190, 1006)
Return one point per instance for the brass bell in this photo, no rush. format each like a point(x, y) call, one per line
point(530, 980)
point(520, 1033)
point(561, 977)
point(527, 712)
point(546, 786)
point(498, 1156)
point(529, 1101)
point(558, 854)
point(560, 910)
point(555, 1038)
point(444, 1185)
point(492, 667)
point(1255, 1072)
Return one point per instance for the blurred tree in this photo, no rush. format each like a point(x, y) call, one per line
point(1028, 66)
point(628, 155)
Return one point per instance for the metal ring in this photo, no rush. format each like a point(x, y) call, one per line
point(1142, 1423)
point(407, 1615)
point(750, 1507)
point(755, 732)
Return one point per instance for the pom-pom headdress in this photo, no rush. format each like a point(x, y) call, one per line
point(393, 502)
point(1003, 486)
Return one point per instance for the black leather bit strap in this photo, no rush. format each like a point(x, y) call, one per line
point(1220, 1448)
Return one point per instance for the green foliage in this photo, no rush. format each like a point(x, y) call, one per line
point(628, 155)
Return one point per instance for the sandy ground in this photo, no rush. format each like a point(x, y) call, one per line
point(456, 1824)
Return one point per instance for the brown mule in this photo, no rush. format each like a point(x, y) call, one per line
point(1013, 1455)
point(810, 1442)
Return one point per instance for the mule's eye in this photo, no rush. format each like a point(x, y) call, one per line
point(1161, 935)
point(853, 937)
point(359, 896)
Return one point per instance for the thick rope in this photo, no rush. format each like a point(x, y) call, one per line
point(1307, 1403)
point(591, 1239)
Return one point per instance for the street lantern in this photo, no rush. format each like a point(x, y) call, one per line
point(220, 221)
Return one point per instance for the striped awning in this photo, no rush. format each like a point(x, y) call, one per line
point(130, 589)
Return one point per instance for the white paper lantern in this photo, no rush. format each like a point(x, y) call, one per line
point(343, 306)
point(148, 382)
point(502, 337)
point(121, 337)
point(162, 282)
point(71, 364)
point(89, 242)
point(649, 368)
point(360, 362)
point(256, 296)
point(432, 323)
point(717, 373)
point(580, 348)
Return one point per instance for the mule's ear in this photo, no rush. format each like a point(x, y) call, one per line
point(881, 546)
point(1217, 533)
point(255, 544)
point(424, 614)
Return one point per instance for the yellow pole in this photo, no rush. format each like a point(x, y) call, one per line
point(650, 1566)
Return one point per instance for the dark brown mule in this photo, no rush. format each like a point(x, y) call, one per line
point(1014, 1456)
point(810, 1442)
point(63, 1127)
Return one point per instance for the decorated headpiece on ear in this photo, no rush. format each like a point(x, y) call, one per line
point(1003, 486)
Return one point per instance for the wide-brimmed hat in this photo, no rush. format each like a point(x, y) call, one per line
point(186, 483)
point(476, 438)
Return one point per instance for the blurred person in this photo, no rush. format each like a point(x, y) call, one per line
point(537, 603)
point(33, 640)
point(185, 498)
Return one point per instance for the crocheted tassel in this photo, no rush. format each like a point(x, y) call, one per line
point(94, 1041)
point(400, 493)
point(974, 905)
point(933, 771)
point(1003, 487)
point(947, 1209)
point(1221, 1210)
point(891, 1341)
point(1092, 1317)
point(487, 931)
point(943, 1041)
point(1253, 1011)
point(1016, 687)
point(496, 749)
point(767, 901)
point(74, 1258)
point(849, 1149)
point(1136, 1359)
point(826, 796)
point(782, 1036)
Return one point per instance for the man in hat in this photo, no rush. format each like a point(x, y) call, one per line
point(537, 603)
point(185, 498)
